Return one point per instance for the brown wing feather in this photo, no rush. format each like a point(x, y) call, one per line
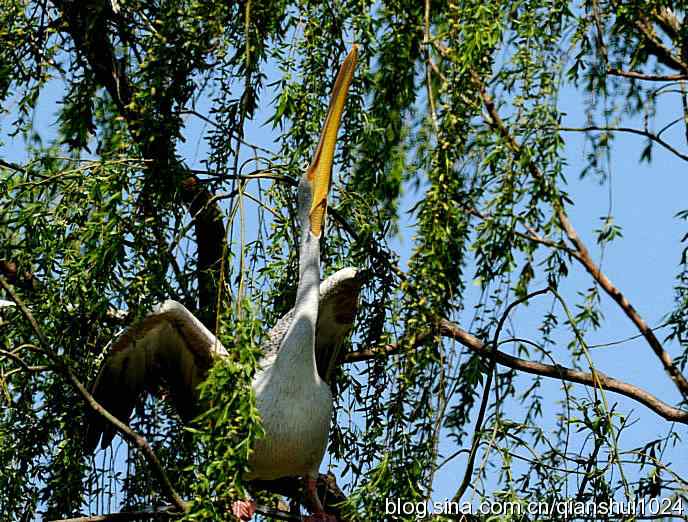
point(169, 347)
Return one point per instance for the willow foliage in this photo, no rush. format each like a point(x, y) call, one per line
point(452, 193)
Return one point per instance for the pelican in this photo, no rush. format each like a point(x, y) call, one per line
point(172, 347)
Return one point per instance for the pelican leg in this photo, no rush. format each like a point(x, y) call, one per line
point(316, 506)
point(243, 509)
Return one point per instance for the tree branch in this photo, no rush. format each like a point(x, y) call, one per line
point(87, 24)
point(486, 393)
point(581, 252)
point(125, 431)
point(657, 48)
point(647, 77)
point(124, 516)
point(22, 365)
point(668, 21)
point(20, 278)
point(595, 379)
point(12, 166)
point(385, 350)
point(166, 514)
point(532, 234)
point(328, 491)
point(288, 487)
point(209, 228)
point(630, 130)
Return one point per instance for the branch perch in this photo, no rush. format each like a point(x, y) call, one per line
point(124, 516)
point(166, 514)
point(327, 485)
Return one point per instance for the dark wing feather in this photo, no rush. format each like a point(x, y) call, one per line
point(169, 347)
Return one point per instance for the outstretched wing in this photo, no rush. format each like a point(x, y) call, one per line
point(171, 347)
point(168, 347)
point(336, 313)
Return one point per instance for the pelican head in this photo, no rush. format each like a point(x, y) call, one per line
point(316, 180)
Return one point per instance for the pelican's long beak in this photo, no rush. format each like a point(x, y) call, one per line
point(320, 172)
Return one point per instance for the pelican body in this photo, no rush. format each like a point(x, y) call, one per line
point(171, 347)
point(295, 404)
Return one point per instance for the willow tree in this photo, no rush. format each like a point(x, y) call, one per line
point(452, 192)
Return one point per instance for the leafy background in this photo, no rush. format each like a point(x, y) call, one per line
point(150, 151)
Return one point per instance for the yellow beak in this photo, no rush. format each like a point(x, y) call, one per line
point(320, 172)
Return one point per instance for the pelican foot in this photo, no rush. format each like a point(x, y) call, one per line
point(320, 517)
point(243, 509)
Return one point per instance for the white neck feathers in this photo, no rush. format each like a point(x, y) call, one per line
point(298, 344)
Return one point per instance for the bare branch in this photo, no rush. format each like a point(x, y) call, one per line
point(647, 77)
point(594, 379)
point(268, 173)
point(630, 130)
point(125, 431)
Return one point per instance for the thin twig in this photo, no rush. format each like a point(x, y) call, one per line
point(589, 468)
point(22, 364)
point(532, 234)
point(640, 132)
point(221, 127)
point(486, 392)
point(647, 77)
